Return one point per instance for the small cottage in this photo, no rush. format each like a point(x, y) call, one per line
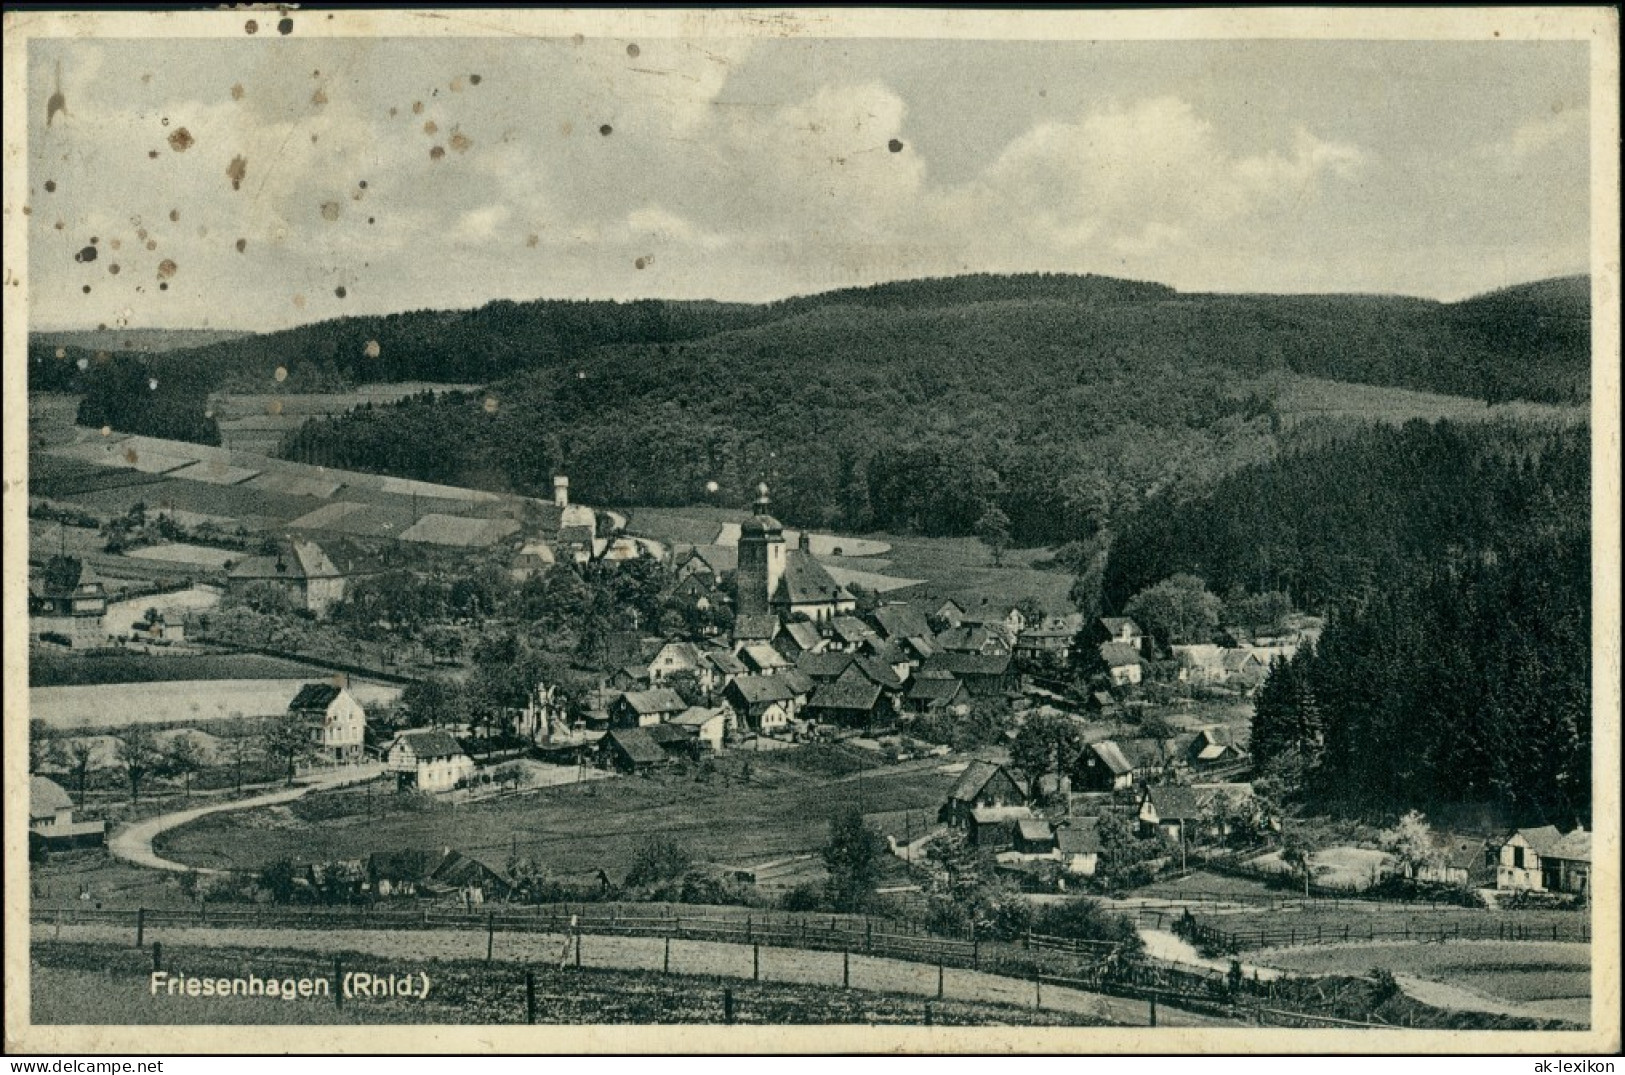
point(336, 721)
point(632, 750)
point(50, 819)
point(981, 784)
point(427, 759)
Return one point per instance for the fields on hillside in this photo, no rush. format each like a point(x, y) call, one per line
point(177, 702)
point(257, 421)
point(47, 669)
point(576, 829)
point(1303, 398)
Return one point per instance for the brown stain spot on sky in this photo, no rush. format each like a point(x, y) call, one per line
point(113, 268)
point(372, 350)
point(50, 186)
point(152, 154)
point(251, 27)
point(330, 210)
point(436, 153)
point(632, 50)
point(372, 220)
point(417, 108)
point(237, 171)
point(606, 130)
point(114, 243)
point(460, 141)
point(532, 239)
point(86, 254)
point(242, 245)
point(578, 39)
point(362, 184)
point(163, 287)
point(167, 268)
point(566, 128)
point(642, 262)
point(473, 80)
point(457, 85)
point(340, 291)
point(895, 146)
point(152, 244)
point(59, 225)
point(393, 111)
point(86, 289)
point(174, 216)
point(237, 92)
point(141, 233)
point(284, 27)
point(181, 140)
point(319, 97)
point(430, 127)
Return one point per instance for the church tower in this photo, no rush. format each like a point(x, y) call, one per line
point(761, 559)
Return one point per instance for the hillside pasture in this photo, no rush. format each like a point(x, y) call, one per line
point(177, 702)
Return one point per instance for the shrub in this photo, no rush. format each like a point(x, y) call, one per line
point(805, 897)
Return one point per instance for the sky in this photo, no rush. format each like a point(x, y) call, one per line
point(323, 178)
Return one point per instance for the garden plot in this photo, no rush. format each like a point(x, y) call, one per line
point(182, 553)
point(459, 530)
point(215, 472)
point(318, 486)
point(121, 614)
point(1337, 867)
point(327, 516)
point(409, 487)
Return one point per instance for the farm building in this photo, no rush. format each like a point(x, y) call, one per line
point(973, 638)
point(1200, 663)
point(981, 784)
point(337, 723)
point(949, 612)
point(1170, 810)
point(848, 633)
point(852, 701)
point(1120, 629)
point(762, 703)
point(67, 602)
point(310, 579)
point(50, 820)
point(1077, 845)
point(1123, 663)
point(1459, 860)
point(1103, 767)
point(1216, 745)
point(899, 622)
point(640, 709)
point(761, 659)
point(708, 724)
point(632, 750)
point(675, 657)
point(427, 759)
point(984, 675)
point(936, 690)
point(725, 667)
point(996, 828)
point(1544, 860)
point(798, 637)
point(1037, 642)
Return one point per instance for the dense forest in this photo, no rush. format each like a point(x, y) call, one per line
point(1454, 565)
point(914, 405)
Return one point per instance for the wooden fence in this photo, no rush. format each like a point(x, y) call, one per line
point(1223, 940)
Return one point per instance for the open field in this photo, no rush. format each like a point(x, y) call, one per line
point(1529, 978)
point(1302, 398)
point(574, 829)
point(70, 984)
point(46, 668)
point(177, 702)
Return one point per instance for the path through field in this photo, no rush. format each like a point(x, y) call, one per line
point(648, 954)
point(133, 843)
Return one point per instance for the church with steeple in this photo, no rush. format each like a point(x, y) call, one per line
point(774, 578)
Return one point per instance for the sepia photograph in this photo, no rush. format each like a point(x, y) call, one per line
point(812, 530)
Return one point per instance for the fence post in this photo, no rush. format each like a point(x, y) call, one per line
point(1554, 931)
point(338, 982)
point(755, 962)
point(728, 1006)
point(1038, 990)
point(939, 981)
point(490, 933)
point(665, 967)
point(578, 948)
point(846, 970)
point(976, 954)
point(1153, 1009)
point(530, 996)
point(748, 931)
point(140, 926)
point(928, 1013)
point(157, 955)
point(868, 935)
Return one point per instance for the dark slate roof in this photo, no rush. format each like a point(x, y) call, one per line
point(1112, 757)
point(850, 629)
point(970, 664)
point(698, 716)
point(458, 870)
point(758, 690)
point(1078, 836)
point(313, 696)
point(1174, 802)
point(1035, 830)
point(431, 743)
point(759, 627)
point(973, 780)
point(970, 638)
point(889, 653)
point(875, 670)
point(760, 656)
point(900, 621)
point(804, 634)
point(934, 688)
point(637, 744)
point(1119, 654)
point(854, 693)
point(1541, 839)
point(797, 680)
point(668, 734)
point(1146, 753)
point(727, 663)
point(822, 666)
point(1575, 847)
point(659, 700)
point(806, 582)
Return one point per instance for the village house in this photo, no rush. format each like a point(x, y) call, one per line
point(725, 667)
point(427, 759)
point(981, 784)
point(973, 638)
point(708, 725)
point(1199, 663)
point(336, 721)
point(640, 709)
point(1122, 630)
point(1045, 641)
point(1103, 767)
point(1007, 621)
point(50, 820)
point(1216, 746)
point(798, 637)
point(851, 701)
point(984, 675)
point(67, 602)
point(748, 627)
point(678, 657)
point(533, 558)
point(632, 750)
point(889, 654)
point(764, 704)
point(949, 612)
point(761, 659)
point(1123, 663)
point(1544, 860)
point(1077, 845)
point(304, 573)
point(848, 634)
point(1461, 861)
point(676, 740)
point(995, 828)
point(1171, 810)
point(938, 690)
point(164, 629)
point(898, 622)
